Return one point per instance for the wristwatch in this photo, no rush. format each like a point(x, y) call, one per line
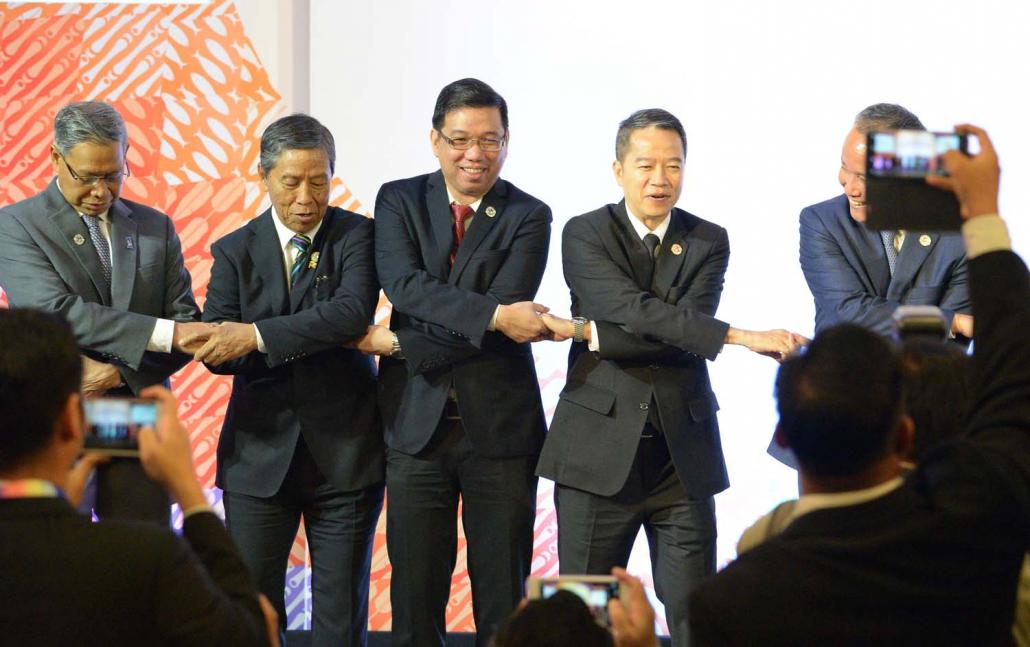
point(395, 351)
point(578, 324)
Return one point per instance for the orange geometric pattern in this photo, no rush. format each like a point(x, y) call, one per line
point(195, 99)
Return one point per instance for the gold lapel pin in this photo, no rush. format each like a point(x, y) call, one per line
point(924, 240)
point(490, 212)
point(79, 239)
point(313, 263)
point(676, 249)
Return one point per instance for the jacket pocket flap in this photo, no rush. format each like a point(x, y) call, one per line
point(585, 395)
point(703, 406)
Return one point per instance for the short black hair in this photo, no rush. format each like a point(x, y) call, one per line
point(840, 401)
point(561, 620)
point(295, 132)
point(886, 116)
point(468, 93)
point(39, 368)
point(938, 391)
point(645, 119)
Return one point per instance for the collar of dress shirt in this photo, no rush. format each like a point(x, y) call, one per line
point(642, 230)
point(810, 502)
point(451, 200)
point(285, 233)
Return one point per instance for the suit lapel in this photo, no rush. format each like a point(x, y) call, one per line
point(871, 255)
point(669, 263)
point(441, 224)
point(266, 254)
point(483, 222)
point(911, 257)
point(76, 235)
point(307, 275)
point(640, 264)
point(124, 246)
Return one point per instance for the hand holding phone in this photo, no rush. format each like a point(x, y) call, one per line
point(594, 590)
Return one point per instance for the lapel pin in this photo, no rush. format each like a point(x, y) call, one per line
point(491, 212)
point(79, 239)
point(128, 243)
point(924, 240)
point(313, 263)
point(676, 249)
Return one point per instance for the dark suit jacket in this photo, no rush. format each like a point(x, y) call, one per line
point(441, 314)
point(42, 267)
point(932, 563)
point(846, 269)
point(307, 383)
point(654, 339)
point(67, 581)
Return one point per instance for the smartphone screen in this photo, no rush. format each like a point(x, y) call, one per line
point(910, 153)
point(113, 423)
point(595, 593)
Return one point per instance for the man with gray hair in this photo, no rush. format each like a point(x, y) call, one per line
point(861, 276)
point(301, 435)
point(114, 269)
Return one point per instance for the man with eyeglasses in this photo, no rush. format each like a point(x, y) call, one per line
point(113, 268)
point(460, 253)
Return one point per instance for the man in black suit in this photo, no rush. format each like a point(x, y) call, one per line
point(460, 254)
point(68, 581)
point(301, 433)
point(634, 440)
point(870, 557)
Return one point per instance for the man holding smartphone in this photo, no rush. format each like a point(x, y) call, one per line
point(104, 583)
point(861, 276)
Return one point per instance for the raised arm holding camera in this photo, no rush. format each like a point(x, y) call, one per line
point(105, 583)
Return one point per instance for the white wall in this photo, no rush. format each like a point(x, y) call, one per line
point(766, 91)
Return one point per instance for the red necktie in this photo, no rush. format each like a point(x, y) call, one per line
point(462, 212)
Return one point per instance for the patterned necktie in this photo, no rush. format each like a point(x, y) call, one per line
point(300, 244)
point(652, 244)
point(888, 246)
point(462, 212)
point(100, 243)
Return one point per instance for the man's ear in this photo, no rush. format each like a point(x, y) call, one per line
point(780, 437)
point(617, 170)
point(71, 423)
point(904, 436)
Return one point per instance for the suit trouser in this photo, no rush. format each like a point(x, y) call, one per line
point(597, 532)
point(498, 498)
point(340, 526)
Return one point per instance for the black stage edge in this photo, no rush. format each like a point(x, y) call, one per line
point(382, 639)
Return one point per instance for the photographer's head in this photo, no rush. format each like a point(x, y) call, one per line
point(561, 620)
point(877, 117)
point(938, 391)
point(841, 410)
point(40, 408)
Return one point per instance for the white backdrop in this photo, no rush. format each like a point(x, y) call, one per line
point(766, 91)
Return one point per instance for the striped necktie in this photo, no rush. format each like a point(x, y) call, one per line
point(301, 244)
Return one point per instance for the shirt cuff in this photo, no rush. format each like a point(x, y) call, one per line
point(594, 344)
point(161, 339)
point(197, 509)
point(260, 342)
point(985, 234)
point(493, 320)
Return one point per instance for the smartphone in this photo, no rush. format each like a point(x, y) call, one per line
point(910, 153)
point(594, 590)
point(112, 423)
point(897, 195)
point(920, 322)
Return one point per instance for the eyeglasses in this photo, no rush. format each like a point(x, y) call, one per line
point(112, 179)
point(488, 144)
